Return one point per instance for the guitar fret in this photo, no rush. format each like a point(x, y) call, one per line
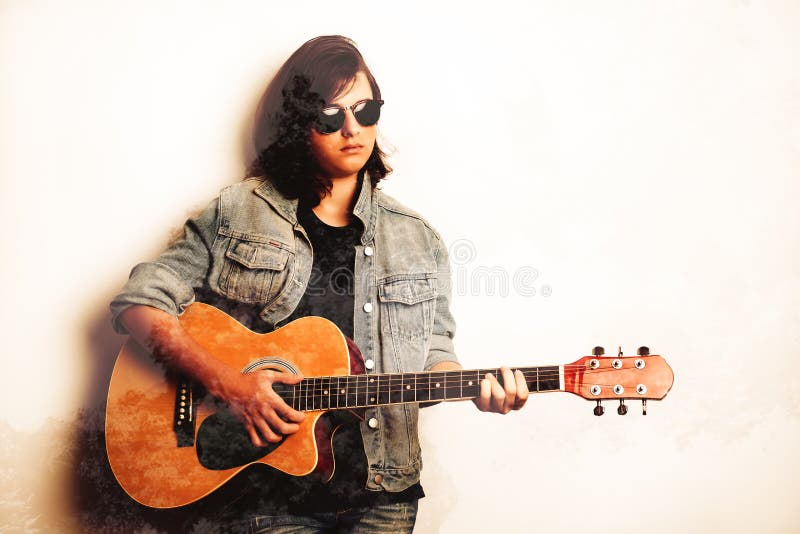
point(394, 388)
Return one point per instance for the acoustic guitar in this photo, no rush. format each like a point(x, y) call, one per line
point(169, 444)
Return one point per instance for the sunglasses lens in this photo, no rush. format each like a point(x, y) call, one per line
point(330, 120)
point(368, 112)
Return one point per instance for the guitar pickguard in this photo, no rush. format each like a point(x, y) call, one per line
point(223, 443)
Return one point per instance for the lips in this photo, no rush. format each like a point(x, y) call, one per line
point(351, 149)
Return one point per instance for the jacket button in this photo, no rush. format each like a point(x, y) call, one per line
point(373, 423)
point(369, 363)
point(368, 307)
point(378, 479)
point(367, 251)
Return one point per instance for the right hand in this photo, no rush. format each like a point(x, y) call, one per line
point(263, 412)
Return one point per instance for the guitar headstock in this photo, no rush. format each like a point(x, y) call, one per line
point(643, 377)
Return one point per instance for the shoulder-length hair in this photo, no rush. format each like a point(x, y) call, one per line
point(316, 73)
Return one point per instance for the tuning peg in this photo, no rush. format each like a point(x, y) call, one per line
point(644, 406)
point(619, 351)
point(598, 351)
point(622, 409)
point(643, 351)
point(599, 410)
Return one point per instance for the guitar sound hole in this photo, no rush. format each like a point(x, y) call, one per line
point(223, 443)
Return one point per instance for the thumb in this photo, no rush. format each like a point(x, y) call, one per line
point(288, 378)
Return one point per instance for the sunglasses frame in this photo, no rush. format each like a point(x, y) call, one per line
point(344, 109)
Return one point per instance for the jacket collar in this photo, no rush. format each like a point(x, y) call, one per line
point(364, 209)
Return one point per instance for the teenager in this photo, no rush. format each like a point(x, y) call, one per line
point(310, 233)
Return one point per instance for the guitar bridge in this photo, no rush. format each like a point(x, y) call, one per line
point(184, 414)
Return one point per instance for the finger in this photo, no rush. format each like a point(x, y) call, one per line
point(286, 411)
point(266, 431)
point(484, 399)
point(522, 390)
point(289, 413)
point(277, 402)
point(278, 425)
point(509, 388)
point(254, 439)
point(287, 378)
point(498, 395)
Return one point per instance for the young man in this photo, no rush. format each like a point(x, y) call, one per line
point(310, 234)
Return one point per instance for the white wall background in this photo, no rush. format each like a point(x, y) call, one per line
point(641, 156)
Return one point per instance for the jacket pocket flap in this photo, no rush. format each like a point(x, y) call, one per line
point(257, 255)
point(409, 291)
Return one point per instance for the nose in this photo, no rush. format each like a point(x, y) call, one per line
point(351, 127)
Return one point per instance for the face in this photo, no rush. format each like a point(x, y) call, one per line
point(342, 154)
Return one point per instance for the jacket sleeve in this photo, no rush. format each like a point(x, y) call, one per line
point(168, 283)
point(444, 325)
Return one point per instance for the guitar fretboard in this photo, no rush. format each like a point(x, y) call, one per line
point(361, 391)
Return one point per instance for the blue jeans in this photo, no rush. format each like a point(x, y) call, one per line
point(393, 518)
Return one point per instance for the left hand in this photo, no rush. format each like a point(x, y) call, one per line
point(512, 395)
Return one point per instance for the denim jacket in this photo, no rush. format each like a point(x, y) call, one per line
point(248, 246)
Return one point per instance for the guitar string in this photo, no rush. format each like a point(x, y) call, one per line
point(408, 378)
point(453, 374)
point(402, 380)
point(311, 406)
point(400, 393)
point(314, 394)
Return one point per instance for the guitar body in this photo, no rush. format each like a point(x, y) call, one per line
point(143, 442)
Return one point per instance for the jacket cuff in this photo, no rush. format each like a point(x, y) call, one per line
point(152, 284)
point(441, 350)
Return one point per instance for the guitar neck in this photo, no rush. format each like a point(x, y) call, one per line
point(361, 391)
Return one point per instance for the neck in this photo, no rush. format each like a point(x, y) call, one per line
point(359, 391)
point(335, 207)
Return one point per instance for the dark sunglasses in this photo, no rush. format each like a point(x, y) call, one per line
point(331, 118)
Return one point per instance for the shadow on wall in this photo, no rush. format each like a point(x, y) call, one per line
point(94, 500)
point(98, 503)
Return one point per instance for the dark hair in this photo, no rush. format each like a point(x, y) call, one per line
point(317, 72)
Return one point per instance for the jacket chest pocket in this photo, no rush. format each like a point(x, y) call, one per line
point(407, 307)
point(253, 272)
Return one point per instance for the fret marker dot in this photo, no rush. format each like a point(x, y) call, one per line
point(372, 399)
point(470, 382)
point(325, 392)
point(372, 380)
point(408, 387)
point(437, 384)
point(343, 390)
